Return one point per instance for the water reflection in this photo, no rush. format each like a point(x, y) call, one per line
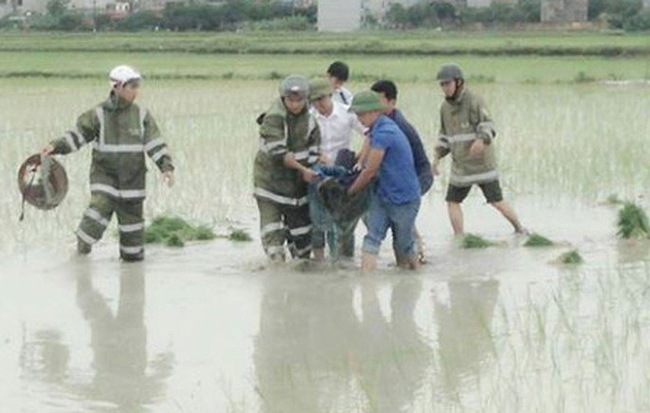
point(464, 319)
point(123, 376)
point(314, 353)
point(43, 356)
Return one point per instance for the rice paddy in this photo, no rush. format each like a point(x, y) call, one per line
point(488, 330)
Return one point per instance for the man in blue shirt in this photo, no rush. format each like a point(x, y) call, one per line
point(395, 200)
point(387, 91)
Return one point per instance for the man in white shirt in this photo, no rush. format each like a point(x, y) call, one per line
point(337, 74)
point(337, 127)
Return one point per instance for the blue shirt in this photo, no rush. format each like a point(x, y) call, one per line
point(397, 182)
point(420, 159)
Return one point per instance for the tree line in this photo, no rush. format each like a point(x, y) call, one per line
point(267, 15)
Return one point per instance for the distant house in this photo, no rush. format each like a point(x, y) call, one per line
point(564, 11)
point(339, 15)
point(22, 7)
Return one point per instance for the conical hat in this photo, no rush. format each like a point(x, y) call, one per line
point(42, 183)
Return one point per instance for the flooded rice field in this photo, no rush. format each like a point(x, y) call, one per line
point(212, 327)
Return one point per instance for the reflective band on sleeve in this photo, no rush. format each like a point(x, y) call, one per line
point(153, 143)
point(301, 156)
point(156, 156)
point(71, 142)
point(466, 137)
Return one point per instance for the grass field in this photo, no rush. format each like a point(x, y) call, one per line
point(383, 42)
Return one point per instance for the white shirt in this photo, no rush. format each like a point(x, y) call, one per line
point(342, 95)
point(336, 129)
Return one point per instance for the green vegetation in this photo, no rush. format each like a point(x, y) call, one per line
point(471, 241)
point(175, 231)
point(414, 43)
point(571, 257)
point(613, 199)
point(536, 240)
point(238, 15)
point(239, 235)
point(633, 222)
point(231, 57)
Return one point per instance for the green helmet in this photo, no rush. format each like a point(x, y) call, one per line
point(450, 71)
point(294, 84)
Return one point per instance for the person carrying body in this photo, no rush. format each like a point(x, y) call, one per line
point(395, 200)
point(337, 126)
point(121, 133)
point(289, 147)
point(387, 91)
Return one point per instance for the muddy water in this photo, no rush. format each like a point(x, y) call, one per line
point(213, 328)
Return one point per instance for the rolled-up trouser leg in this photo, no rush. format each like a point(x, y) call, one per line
point(299, 226)
point(272, 230)
point(95, 219)
point(345, 233)
point(131, 227)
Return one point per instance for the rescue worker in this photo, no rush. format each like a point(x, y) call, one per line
point(121, 132)
point(467, 132)
point(337, 127)
point(395, 199)
point(289, 147)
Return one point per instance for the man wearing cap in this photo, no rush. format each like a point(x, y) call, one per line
point(395, 200)
point(120, 132)
point(289, 147)
point(337, 126)
point(467, 132)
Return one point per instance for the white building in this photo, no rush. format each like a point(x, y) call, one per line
point(339, 15)
point(346, 15)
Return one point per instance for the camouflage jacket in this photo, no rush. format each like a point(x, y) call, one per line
point(462, 121)
point(282, 132)
point(120, 133)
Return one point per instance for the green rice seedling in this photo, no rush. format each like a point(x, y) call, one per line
point(239, 235)
point(175, 231)
point(613, 199)
point(204, 233)
point(536, 240)
point(571, 257)
point(475, 241)
point(174, 240)
point(633, 222)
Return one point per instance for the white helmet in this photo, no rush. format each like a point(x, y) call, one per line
point(122, 74)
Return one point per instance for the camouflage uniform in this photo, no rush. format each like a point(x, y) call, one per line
point(120, 133)
point(462, 121)
point(281, 192)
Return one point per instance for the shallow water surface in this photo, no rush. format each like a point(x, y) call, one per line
point(212, 327)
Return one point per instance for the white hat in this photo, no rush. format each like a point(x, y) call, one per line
point(122, 74)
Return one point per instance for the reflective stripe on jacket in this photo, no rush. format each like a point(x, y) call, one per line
point(282, 132)
point(462, 122)
point(120, 134)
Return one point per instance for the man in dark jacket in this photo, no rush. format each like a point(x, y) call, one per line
point(120, 132)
